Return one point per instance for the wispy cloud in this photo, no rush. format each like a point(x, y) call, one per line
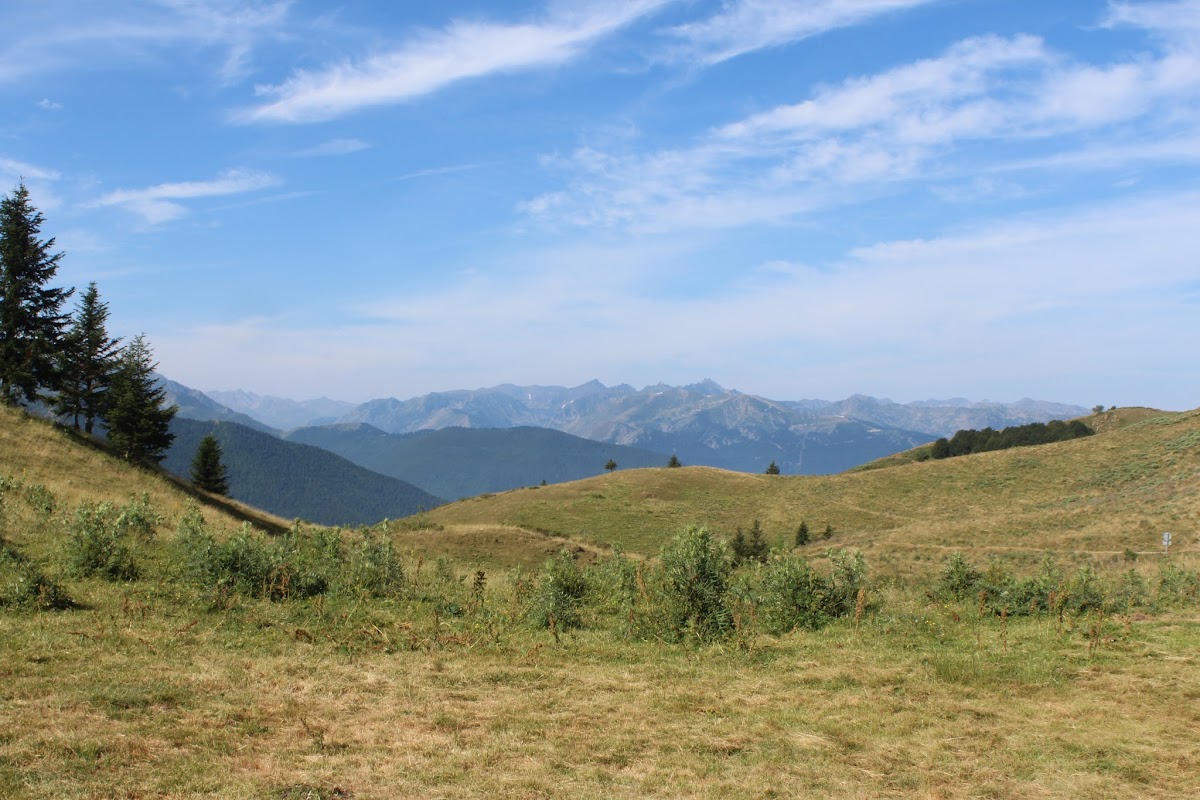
point(746, 25)
point(870, 135)
point(50, 37)
point(46, 104)
point(157, 204)
point(1001, 291)
point(333, 147)
point(13, 168)
point(434, 60)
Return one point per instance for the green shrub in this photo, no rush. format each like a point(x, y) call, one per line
point(23, 585)
point(959, 580)
point(695, 571)
point(560, 593)
point(790, 595)
point(137, 518)
point(374, 567)
point(97, 547)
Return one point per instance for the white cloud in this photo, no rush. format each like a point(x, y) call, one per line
point(46, 104)
point(870, 135)
point(15, 169)
point(156, 204)
point(1091, 290)
point(333, 147)
point(746, 25)
point(66, 36)
point(433, 60)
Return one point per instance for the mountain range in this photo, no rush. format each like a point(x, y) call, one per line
point(468, 442)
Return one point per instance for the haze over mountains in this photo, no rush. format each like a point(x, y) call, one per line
point(313, 458)
point(702, 423)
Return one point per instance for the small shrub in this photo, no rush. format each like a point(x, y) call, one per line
point(136, 517)
point(374, 567)
point(560, 593)
point(958, 581)
point(790, 595)
point(22, 585)
point(40, 499)
point(695, 571)
point(97, 547)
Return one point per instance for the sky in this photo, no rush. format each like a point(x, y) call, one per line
point(912, 199)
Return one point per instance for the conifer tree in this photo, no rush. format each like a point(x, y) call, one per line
point(674, 462)
point(802, 534)
point(208, 472)
point(773, 469)
point(88, 362)
point(138, 422)
point(611, 465)
point(31, 321)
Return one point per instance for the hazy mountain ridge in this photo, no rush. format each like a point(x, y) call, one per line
point(703, 423)
point(196, 405)
point(293, 480)
point(460, 462)
point(280, 412)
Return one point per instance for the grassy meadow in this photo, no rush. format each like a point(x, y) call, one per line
point(449, 655)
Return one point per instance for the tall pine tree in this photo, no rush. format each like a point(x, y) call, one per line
point(207, 470)
point(138, 422)
point(88, 362)
point(31, 320)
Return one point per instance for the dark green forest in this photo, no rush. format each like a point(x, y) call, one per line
point(966, 442)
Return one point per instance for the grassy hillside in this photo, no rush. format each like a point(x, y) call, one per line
point(296, 480)
point(1101, 495)
point(452, 683)
point(75, 469)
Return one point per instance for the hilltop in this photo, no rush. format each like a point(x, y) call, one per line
point(1101, 495)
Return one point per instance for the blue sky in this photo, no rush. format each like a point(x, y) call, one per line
point(903, 198)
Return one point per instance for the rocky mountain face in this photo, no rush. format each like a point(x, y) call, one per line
point(702, 423)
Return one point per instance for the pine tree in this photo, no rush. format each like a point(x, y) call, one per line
point(674, 462)
point(88, 362)
point(773, 469)
point(611, 465)
point(138, 423)
point(31, 323)
point(208, 472)
point(802, 535)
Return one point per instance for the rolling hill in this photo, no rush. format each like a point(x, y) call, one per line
point(1102, 495)
point(461, 462)
point(297, 480)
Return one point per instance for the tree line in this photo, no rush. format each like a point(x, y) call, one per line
point(66, 361)
point(966, 442)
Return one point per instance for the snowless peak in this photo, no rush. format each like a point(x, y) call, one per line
point(706, 387)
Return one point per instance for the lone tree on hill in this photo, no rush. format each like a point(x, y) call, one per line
point(208, 472)
point(674, 462)
point(31, 322)
point(802, 535)
point(88, 362)
point(611, 465)
point(773, 469)
point(138, 423)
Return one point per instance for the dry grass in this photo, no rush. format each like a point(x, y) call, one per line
point(1097, 497)
point(155, 689)
point(126, 702)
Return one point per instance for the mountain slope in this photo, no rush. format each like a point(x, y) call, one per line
point(296, 480)
point(197, 405)
point(703, 423)
point(460, 462)
point(282, 413)
point(74, 468)
point(1100, 495)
